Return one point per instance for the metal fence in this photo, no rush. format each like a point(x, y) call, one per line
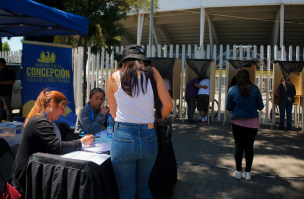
point(101, 65)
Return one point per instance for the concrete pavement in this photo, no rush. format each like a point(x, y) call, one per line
point(198, 148)
point(277, 153)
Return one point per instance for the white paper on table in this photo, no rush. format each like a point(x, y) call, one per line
point(98, 147)
point(83, 155)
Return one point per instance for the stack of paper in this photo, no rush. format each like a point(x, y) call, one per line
point(82, 155)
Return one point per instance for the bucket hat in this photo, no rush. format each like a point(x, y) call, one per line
point(134, 52)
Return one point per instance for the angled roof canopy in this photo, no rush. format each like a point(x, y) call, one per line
point(29, 18)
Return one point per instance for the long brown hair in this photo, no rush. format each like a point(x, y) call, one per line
point(243, 81)
point(129, 80)
point(43, 100)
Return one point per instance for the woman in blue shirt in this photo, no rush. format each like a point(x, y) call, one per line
point(92, 117)
point(244, 99)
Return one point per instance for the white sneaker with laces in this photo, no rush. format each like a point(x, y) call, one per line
point(246, 175)
point(238, 175)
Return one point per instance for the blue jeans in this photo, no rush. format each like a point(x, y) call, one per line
point(285, 105)
point(6, 101)
point(133, 152)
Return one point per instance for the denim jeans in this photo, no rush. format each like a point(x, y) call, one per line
point(285, 105)
point(133, 152)
point(6, 101)
point(191, 101)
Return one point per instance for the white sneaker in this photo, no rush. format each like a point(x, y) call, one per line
point(238, 175)
point(246, 175)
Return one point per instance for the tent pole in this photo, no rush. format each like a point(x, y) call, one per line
point(84, 70)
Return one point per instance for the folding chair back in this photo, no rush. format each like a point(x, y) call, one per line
point(4, 148)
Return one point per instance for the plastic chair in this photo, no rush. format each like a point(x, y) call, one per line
point(4, 148)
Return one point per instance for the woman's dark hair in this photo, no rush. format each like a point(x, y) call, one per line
point(96, 90)
point(129, 80)
point(243, 81)
point(2, 61)
point(233, 81)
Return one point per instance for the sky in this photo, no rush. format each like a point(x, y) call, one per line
point(14, 43)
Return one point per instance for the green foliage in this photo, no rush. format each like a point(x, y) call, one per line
point(105, 29)
point(6, 46)
point(141, 5)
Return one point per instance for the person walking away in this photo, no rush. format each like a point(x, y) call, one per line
point(7, 80)
point(191, 95)
point(286, 91)
point(134, 141)
point(244, 99)
point(203, 99)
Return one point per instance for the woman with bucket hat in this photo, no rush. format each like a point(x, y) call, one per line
point(134, 141)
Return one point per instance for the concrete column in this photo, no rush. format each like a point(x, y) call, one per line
point(282, 26)
point(210, 31)
point(140, 25)
point(202, 26)
point(275, 30)
point(151, 30)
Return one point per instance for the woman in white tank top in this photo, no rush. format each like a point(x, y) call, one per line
point(134, 140)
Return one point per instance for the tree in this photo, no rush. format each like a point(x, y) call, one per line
point(104, 18)
point(6, 46)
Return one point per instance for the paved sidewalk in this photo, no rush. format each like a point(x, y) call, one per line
point(277, 153)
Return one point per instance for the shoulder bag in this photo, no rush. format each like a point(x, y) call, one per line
point(163, 128)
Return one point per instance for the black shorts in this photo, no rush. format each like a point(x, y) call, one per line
point(202, 102)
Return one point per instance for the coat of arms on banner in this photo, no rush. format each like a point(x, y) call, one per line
point(48, 58)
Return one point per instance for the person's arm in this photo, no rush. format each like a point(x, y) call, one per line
point(279, 89)
point(87, 125)
point(8, 82)
point(260, 104)
point(44, 131)
point(229, 102)
point(163, 94)
point(110, 93)
point(200, 86)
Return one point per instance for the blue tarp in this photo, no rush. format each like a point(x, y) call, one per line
point(29, 18)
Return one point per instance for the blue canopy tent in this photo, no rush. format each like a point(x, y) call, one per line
point(29, 18)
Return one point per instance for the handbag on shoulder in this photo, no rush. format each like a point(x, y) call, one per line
point(163, 128)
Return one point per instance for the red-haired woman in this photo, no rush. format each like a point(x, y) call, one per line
point(42, 135)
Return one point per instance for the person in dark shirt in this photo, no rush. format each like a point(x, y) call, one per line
point(191, 95)
point(233, 81)
point(286, 91)
point(7, 80)
point(41, 134)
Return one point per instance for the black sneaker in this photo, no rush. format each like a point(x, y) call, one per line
point(281, 127)
point(289, 128)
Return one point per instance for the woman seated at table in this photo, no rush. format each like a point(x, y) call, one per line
point(42, 135)
point(92, 117)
